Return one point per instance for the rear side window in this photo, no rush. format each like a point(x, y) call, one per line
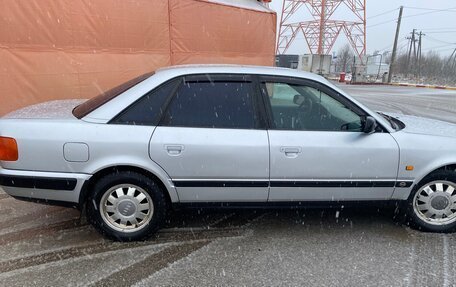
point(89, 106)
point(212, 104)
point(148, 109)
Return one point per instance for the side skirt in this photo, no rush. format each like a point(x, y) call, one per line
point(287, 205)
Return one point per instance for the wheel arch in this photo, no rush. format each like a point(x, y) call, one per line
point(418, 219)
point(449, 166)
point(165, 184)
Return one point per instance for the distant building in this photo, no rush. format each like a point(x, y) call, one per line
point(376, 66)
point(318, 64)
point(374, 69)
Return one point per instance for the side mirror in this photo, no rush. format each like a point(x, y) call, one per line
point(298, 99)
point(370, 125)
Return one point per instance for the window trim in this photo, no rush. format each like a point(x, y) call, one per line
point(312, 84)
point(259, 117)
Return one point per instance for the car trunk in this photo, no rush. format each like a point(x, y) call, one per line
point(60, 109)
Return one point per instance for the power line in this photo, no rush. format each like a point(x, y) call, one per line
point(404, 42)
point(440, 32)
point(441, 28)
point(381, 23)
point(403, 46)
point(449, 49)
point(429, 9)
point(437, 47)
point(431, 12)
point(415, 15)
point(390, 45)
point(443, 49)
point(384, 13)
point(440, 41)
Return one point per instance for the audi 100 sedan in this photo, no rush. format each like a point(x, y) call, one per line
point(225, 135)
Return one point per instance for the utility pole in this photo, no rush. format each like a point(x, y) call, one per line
point(453, 65)
point(415, 55)
point(409, 52)
point(419, 53)
point(393, 55)
point(409, 55)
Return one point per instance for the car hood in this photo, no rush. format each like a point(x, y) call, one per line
point(61, 109)
point(425, 126)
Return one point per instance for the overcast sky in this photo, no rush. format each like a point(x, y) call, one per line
point(439, 26)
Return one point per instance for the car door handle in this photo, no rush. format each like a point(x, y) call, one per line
point(291, 151)
point(174, 150)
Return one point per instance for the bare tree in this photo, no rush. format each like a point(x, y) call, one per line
point(432, 65)
point(401, 64)
point(434, 69)
point(344, 58)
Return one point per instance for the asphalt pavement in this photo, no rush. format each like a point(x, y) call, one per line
point(424, 102)
point(362, 246)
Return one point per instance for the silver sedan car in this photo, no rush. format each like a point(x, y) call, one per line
point(226, 136)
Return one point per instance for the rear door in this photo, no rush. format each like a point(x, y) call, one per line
point(318, 151)
point(211, 142)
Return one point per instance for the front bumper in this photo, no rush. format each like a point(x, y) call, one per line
point(46, 186)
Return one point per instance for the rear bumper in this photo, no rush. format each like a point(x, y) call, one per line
point(45, 186)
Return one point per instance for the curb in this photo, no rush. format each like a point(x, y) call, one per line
point(366, 84)
point(424, 86)
point(403, 85)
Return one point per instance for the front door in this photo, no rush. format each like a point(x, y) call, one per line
point(210, 142)
point(317, 148)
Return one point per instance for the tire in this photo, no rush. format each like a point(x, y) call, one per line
point(126, 206)
point(431, 206)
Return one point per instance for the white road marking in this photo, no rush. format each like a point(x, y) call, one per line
point(409, 276)
point(446, 261)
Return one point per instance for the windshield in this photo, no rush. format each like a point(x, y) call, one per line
point(89, 106)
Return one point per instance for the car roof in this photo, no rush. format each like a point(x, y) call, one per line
point(181, 70)
point(117, 104)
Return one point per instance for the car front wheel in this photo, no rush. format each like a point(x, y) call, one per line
point(432, 204)
point(126, 206)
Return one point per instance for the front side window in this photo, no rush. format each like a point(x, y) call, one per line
point(210, 103)
point(300, 107)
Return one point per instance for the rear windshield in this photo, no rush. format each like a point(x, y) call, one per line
point(89, 106)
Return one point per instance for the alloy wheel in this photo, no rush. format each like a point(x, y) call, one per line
point(435, 203)
point(126, 208)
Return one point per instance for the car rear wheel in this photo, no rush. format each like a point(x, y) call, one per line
point(126, 206)
point(432, 205)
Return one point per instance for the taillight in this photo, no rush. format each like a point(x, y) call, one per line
point(8, 149)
